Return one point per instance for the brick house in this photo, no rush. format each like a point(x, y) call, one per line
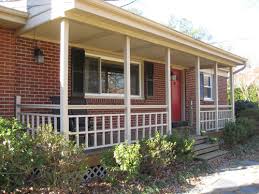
point(101, 75)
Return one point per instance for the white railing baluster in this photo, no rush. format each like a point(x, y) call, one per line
point(49, 120)
point(150, 128)
point(119, 131)
point(86, 131)
point(137, 129)
point(143, 124)
point(111, 133)
point(55, 125)
point(103, 130)
point(77, 131)
point(38, 121)
point(43, 120)
point(95, 132)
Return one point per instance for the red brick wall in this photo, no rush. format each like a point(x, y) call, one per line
point(35, 83)
point(7, 71)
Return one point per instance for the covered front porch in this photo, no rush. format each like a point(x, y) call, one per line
point(97, 123)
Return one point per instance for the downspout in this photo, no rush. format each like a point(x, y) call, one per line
point(239, 70)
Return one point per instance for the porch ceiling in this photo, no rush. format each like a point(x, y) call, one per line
point(97, 40)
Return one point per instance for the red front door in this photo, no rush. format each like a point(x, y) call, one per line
point(176, 95)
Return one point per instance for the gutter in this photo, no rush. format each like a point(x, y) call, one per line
point(239, 70)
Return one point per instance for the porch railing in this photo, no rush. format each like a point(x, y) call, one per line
point(208, 117)
point(97, 130)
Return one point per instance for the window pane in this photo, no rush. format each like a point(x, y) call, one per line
point(134, 79)
point(207, 92)
point(112, 77)
point(92, 78)
point(207, 80)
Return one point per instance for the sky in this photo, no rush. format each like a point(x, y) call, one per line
point(232, 23)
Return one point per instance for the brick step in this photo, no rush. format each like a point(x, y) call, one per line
point(205, 148)
point(212, 155)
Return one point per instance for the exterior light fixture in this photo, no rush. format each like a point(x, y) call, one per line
point(38, 55)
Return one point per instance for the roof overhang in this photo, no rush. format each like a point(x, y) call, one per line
point(106, 16)
point(11, 18)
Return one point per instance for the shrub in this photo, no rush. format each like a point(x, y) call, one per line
point(63, 164)
point(157, 153)
point(147, 157)
point(242, 105)
point(17, 157)
point(46, 161)
point(230, 133)
point(239, 131)
point(248, 126)
point(124, 158)
point(183, 146)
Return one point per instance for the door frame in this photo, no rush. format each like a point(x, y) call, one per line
point(183, 94)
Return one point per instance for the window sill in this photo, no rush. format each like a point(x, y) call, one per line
point(111, 96)
point(208, 100)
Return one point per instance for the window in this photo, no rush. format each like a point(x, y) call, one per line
point(105, 77)
point(112, 77)
point(92, 75)
point(206, 86)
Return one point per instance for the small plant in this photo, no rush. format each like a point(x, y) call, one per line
point(183, 146)
point(124, 158)
point(157, 153)
point(213, 140)
point(128, 158)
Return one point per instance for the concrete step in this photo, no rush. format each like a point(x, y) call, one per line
point(212, 155)
point(201, 141)
point(205, 148)
point(199, 137)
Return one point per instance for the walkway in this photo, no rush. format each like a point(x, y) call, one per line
point(241, 177)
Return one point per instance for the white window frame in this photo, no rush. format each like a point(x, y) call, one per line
point(110, 95)
point(206, 86)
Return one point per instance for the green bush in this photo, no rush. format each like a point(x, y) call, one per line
point(183, 146)
point(46, 161)
point(239, 131)
point(147, 157)
point(63, 164)
point(157, 153)
point(124, 158)
point(248, 126)
point(17, 156)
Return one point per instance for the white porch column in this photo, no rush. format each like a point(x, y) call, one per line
point(216, 96)
point(198, 96)
point(64, 41)
point(232, 93)
point(127, 93)
point(168, 90)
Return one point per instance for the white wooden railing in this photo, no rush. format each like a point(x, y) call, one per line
point(97, 130)
point(208, 117)
point(34, 121)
